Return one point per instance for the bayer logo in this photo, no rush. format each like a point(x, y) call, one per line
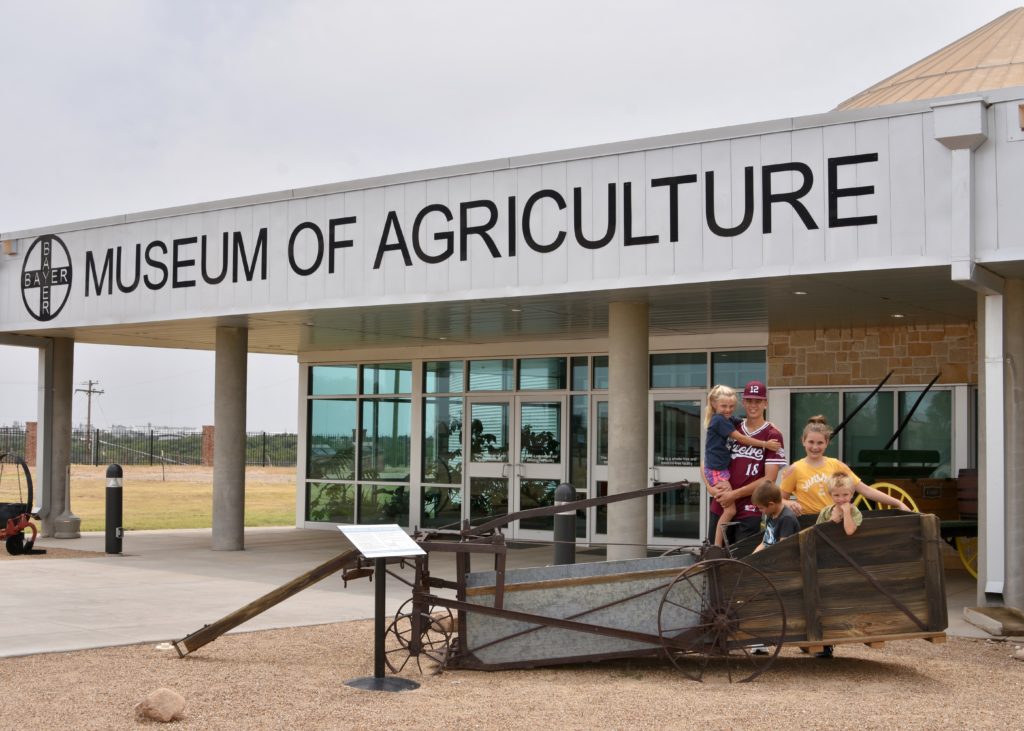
point(46, 278)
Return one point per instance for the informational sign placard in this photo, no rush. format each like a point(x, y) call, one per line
point(381, 541)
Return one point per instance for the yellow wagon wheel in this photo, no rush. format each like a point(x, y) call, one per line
point(889, 489)
point(967, 547)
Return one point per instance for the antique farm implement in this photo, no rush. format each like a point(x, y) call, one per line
point(16, 516)
point(702, 609)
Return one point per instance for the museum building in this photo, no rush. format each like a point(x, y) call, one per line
point(470, 337)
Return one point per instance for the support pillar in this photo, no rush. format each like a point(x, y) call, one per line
point(57, 366)
point(229, 448)
point(1013, 413)
point(627, 427)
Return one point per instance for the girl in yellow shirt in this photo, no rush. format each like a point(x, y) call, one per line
point(808, 478)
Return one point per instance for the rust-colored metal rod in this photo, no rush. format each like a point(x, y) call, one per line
point(910, 414)
point(211, 632)
point(575, 505)
point(860, 406)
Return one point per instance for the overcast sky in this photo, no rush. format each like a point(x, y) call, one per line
point(116, 106)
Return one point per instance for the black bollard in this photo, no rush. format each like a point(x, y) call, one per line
point(565, 526)
point(115, 495)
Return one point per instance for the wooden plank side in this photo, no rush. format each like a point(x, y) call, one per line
point(811, 595)
point(934, 577)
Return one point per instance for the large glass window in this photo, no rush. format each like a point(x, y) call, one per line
point(601, 372)
point(489, 435)
point(491, 375)
point(677, 433)
point(602, 433)
point(331, 451)
point(870, 428)
point(679, 370)
point(930, 427)
point(580, 381)
point(442, 376)
point(338, 380)
point(805, 404)
point(386, 434)
point(737, 367)
point(541, 374)
point(442, 440)
point(331, 502)
point(387, 378)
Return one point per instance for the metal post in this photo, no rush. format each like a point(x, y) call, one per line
point(565, 526)
point(115, 495)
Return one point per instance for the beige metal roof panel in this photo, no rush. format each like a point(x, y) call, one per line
point(991, 57)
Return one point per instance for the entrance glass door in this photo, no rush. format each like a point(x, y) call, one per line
point(517, 457)
point(676, 441)
point(489, 467)
point(540, 460)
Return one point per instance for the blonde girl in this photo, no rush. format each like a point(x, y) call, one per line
point(721, 434)
point(808, 479)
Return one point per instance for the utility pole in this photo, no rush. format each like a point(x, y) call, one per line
point(89, 391)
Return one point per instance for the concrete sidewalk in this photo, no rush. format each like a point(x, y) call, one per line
point(168, 584)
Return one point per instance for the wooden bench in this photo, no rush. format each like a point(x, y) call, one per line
point(896, 463)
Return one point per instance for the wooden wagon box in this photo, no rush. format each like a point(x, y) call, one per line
point(885, 582)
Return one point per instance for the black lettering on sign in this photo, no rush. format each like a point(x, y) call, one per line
point(673, 184)
point(835, 192)
point(259, 256)
point(178, 263)
point(748, 204)
point(155, 284)
point(399, 245)
point(480, 229)
point(90, 269)
point(577, 219)
point(792, 198)
point(319, 235)
point(223, 260)
point(627, 220)
point(528, 210)
point(446, 236)
point(333, 242)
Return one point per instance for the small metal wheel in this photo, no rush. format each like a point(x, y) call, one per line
point(722, 615)
point(891, 490)
point(967, 547)
point(427, 638)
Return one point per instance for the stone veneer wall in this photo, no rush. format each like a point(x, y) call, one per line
point(862, 356)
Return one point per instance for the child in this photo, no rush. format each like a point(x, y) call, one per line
point(721, 427)
point(780, 522)
point(842, 510)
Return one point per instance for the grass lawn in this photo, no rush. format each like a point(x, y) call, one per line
point(173, 497)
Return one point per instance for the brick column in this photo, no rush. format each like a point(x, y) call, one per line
point(30, 442)
point(206, 449)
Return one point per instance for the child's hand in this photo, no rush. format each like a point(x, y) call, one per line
point(773, 445)
point(845, 507)
point(837, 515)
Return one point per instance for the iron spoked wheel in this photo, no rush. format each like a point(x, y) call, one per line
point(715, 614)
point(429, 650)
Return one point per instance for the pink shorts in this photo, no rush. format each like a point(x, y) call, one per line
point(715, 476)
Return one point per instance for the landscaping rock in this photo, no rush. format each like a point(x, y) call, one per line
point(163, 704)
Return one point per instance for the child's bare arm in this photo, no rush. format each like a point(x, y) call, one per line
point(771, 444)
point(848, 523)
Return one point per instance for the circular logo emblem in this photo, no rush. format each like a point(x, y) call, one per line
point(46, 278)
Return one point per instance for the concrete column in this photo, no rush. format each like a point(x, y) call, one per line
point(1013, 411)
point(229, 446)
point(627, 427)
point(60, 522)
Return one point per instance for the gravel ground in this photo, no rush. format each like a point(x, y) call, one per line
point(293, 678)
